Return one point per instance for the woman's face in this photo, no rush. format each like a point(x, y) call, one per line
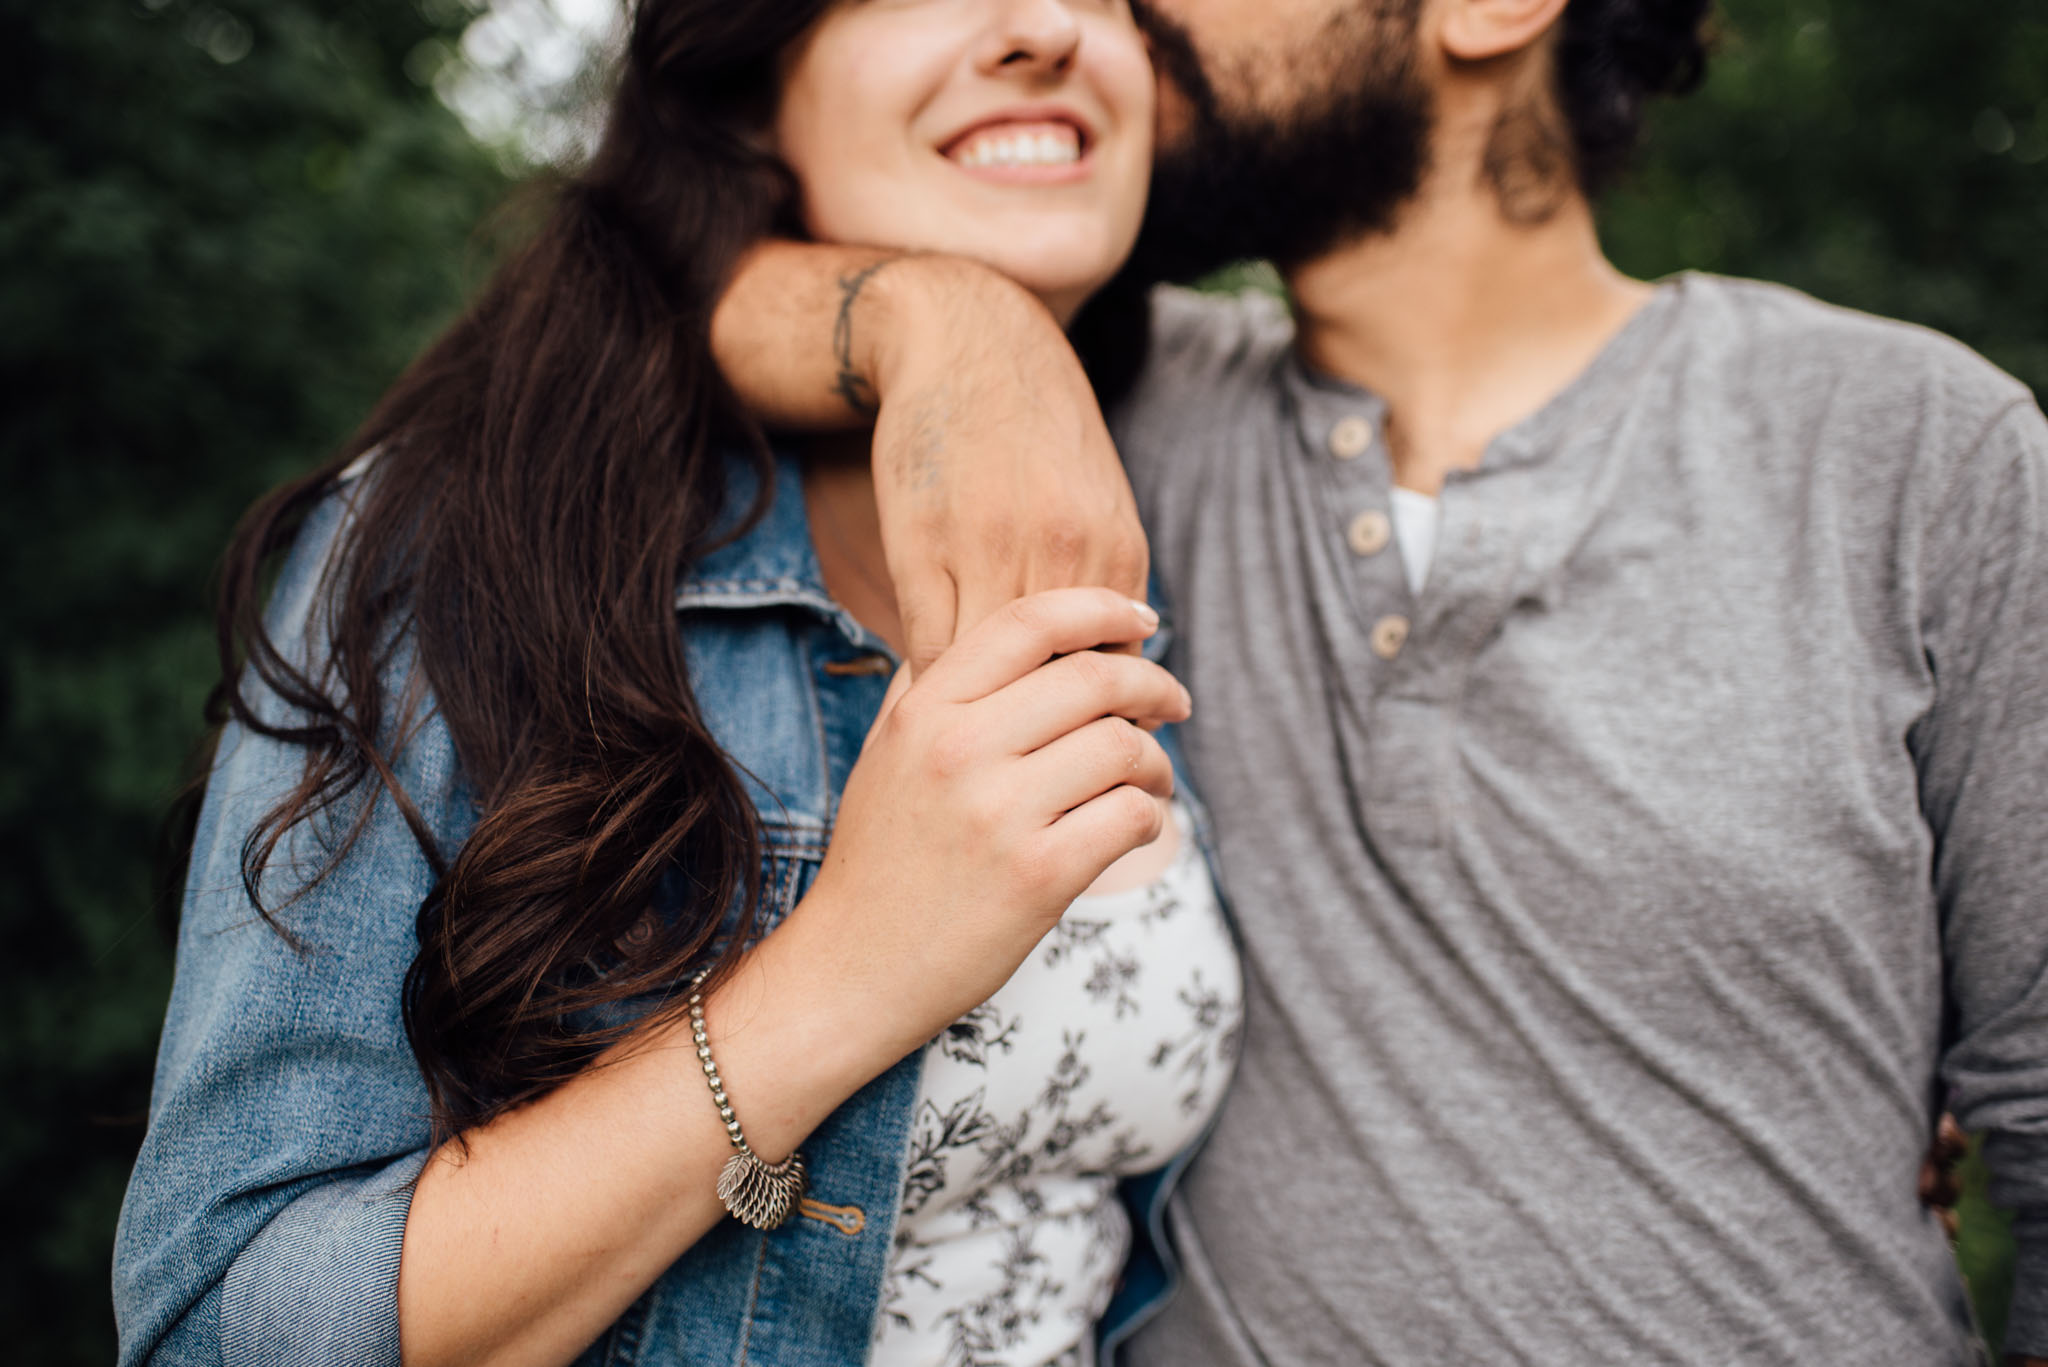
point(1016, 132)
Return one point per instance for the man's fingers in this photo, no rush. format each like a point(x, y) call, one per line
point(1104, 754)
point(1024, 634)
point(928, 605)
point(1068, 693)
point(1951, 1145)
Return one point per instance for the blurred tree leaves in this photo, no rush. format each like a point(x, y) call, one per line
point(1984, 1248)
point(225, 227)
point(1891, 155)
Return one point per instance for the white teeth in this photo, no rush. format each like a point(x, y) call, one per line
point(1022, 149)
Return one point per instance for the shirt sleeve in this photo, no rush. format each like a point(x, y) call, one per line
point(266, 1213)
point(1982, 753)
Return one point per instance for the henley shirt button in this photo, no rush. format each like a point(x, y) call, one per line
point(1369, 532)
point(1350, 438)
point(1389, 634)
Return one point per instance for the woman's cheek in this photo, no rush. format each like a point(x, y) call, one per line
point(839, 167)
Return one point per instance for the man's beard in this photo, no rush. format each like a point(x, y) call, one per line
point(1337, 165)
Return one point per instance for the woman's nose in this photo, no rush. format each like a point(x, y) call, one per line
point(1030, 36)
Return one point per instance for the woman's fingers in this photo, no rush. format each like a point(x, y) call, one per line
point(1086, 763)
point(1103, 830)
point(1068, 693)
point(927, 604)
point(899, 684)
point(1027, 632)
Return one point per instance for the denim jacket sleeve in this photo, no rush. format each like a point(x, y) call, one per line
point(266, 1213)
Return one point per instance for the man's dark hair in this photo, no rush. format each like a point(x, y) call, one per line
point(1613, 57)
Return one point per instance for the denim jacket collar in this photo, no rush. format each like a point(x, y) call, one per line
point(772, 564)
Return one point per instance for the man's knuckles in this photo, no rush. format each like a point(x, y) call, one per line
point(1125, 566)
point(1061, 550)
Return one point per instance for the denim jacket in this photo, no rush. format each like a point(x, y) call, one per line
point(264, 1220)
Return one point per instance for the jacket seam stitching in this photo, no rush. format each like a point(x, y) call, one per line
point(753, 1300)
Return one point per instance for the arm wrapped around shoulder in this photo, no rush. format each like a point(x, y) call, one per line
point(994, 471)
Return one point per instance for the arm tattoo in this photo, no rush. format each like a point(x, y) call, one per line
point(850, 384)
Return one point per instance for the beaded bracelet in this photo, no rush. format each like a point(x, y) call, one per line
point(756, 1192)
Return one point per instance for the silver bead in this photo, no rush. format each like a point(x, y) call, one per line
point(756, 1193)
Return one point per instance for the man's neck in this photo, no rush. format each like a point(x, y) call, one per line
point(1464, 322)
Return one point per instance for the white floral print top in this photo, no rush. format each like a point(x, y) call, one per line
point(1102, 1056)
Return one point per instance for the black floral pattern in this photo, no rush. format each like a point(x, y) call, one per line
point(1209, 1041)
point(962, 1125)
point(1102, 1056)
point(977, 1035)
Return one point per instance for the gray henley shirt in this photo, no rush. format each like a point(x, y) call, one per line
point(1618, 913)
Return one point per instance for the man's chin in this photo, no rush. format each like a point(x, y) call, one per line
point(1232, 181)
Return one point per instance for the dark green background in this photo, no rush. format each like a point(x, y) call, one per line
point(225, 226)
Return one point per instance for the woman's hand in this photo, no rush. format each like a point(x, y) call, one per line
point(992, 791)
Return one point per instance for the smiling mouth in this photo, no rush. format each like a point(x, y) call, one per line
point(1037, 143)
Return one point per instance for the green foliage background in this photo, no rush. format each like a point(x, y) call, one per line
point(225, 226)
point(223, 229)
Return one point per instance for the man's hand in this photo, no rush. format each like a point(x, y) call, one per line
point(994, 472)
point(1941, 1182)
point(1941, 1189)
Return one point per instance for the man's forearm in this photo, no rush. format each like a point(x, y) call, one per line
point(994, 472)
point(810, 336)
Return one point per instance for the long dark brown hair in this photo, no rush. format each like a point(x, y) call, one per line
point(542, 473)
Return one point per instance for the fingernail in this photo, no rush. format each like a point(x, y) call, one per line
point(1187, 699)
point(1145, 613)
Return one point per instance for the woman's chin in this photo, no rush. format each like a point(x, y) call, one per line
point(1061, 286)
